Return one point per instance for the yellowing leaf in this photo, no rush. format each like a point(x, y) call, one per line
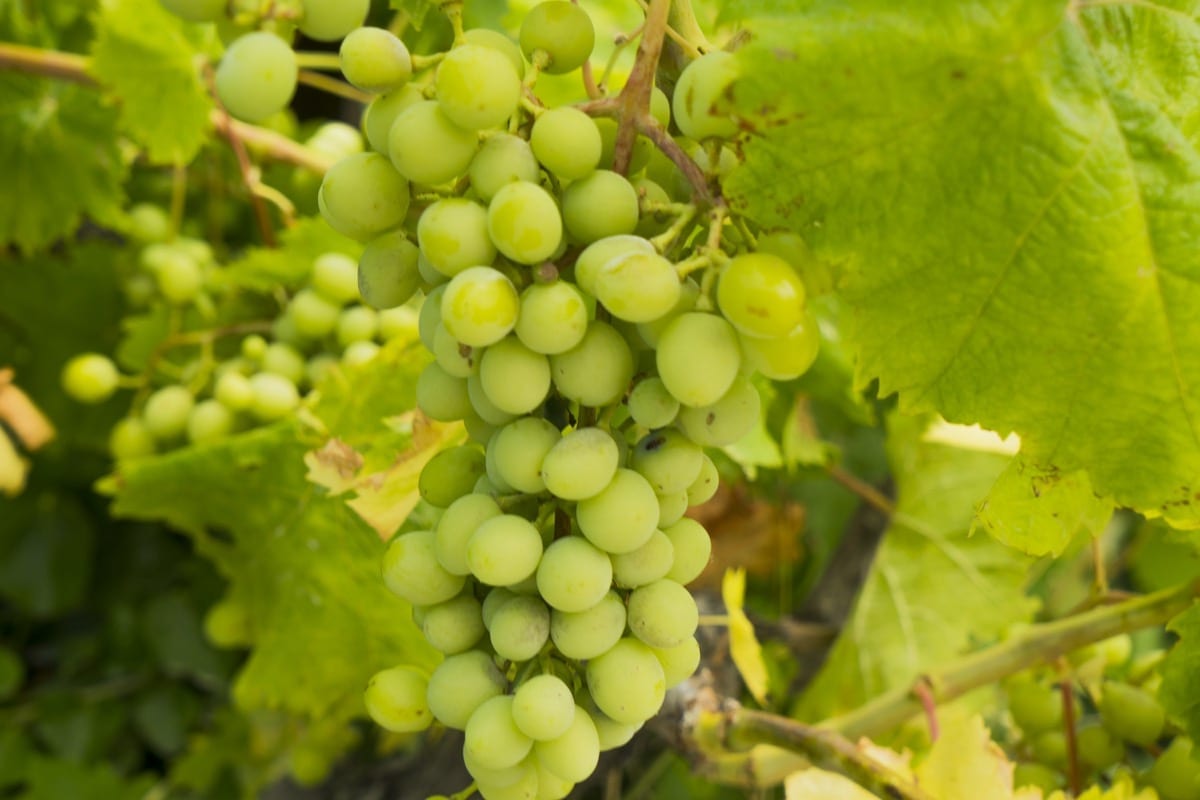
point(817, 784)
point(743, 644)
point(966, 763)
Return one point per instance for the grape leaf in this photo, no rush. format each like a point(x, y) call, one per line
point(932, 590)
point(1012, 195)
point(169, 114)
point(301, 563)
point(1038, 509)
point(1180, 690)
point(264, 269)
point(817, 784)
point(965, 762)
point(743, 644)
point(53, 779)
point(59, 158)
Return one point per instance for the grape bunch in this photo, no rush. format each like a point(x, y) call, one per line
point(258, 72)
point(245, 373)
point(591, 370)
point(1118, 724)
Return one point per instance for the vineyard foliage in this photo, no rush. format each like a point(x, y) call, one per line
point(984, 492)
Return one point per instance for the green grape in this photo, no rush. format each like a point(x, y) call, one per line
point(130, 439)
point(227, 624)
point(253, 347)
point(792, 248)
point(638, 287)
point(574, 574)
point(566, 142)
point(283, 359)
point(257, 76)
point(697, 338)
point(581, 464)
point(668, 460)
point(562, 31)
point(209, 421)
point(455, 527)
point(671, 508)
point(395, 699)
point(1029, 773)
point(651, 196)
point(660, 106)
point(691, 548)
point(706, 485)
point(679, 662)
point(1034, 707)
point(450, 474)
point(455, 625)
point(381, 114)
point(313, 315)
point(698, 93)
point(461, 684)
point(524, 787)
point(689, 295)
point(274, 396)
point(480, 306)
point(651, 405)
point(319, 368)
point(441, 396)
point(520, 447)
point(453, 234)
point(1176, 775)
point(359, 353)
point(612, 734)
point(627, 683)
point(430, 318)
point(504, 550)
point(574, 754)
point(477, 87)
point(336, 140)
point(1097, 748)
point(493, 739)
point(429, 273)
point(427, 148)
point(375, 60)
point(90, 378)
point(515, 378)
point(727, 420)
point(623, 516)
point(543, 707)
point(398, 323)
point(1050, 747)
point(520, 628)
point(599, 253)
point(196, 10)
point(495, 598)
point(1131, 713)
point(524, 222)
point(785, 358)
point(357, 324)
point(330, 20)
point(601, 205)
point(650, 562)
point(643, 148)
point(335, 276)
point(411, 570)
point(453, 356)
point(761, 295)
point(551, 786)
point(597, 371)
point(588, 633)
point(178, 276)
point(662, 613)
point(149, 223)
point(364, 196)
point(553, 317)
point(480, 432)
point(503, 159)
point(484, 408)
point(166, 412)
point(309, 764)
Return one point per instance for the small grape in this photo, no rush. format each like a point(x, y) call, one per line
point(149, 223)
point(442, 396)
point(450, 474)
point(209, 421)
point(130, 438)
point(785, 358)
point(455, 625)
point(178, 276)
point(313, 315)
point(453, 234)
point(364, 196)
point(706, 485)
point(697, 338)
point(543, 707)
point(375, 60)
point(574, 574)
point(638, 287)
point(599, 253)
point(566, 142)
point(520, 628)
point(503, 159)
point(166, 412)
point(524, 222)
point(574, 754)
point(412, 571)
point(520, 448)
point(257, 76)
point(1131, 713)
point(727, 420)
point(588, 633)
point(662, 614)
point(650, 404)
point(515, 379)
point(455, 528)
point(427, 148)
point(562, 31)
point(477, 87)
point(761, 295)
point(285, 360)
point(395, 699)
point(90, 378)
point(581, 464)
point(601, 205)
point(690, 548)
point(698, 92)
point(679, 662)
point(553, 317)
point(650, 562)
point(623, 516)
point(330, 20)
point(669, 460)
point(1030, 773)
point(453, 356)
point(1176, 775)
point(627, 682)
point(357, 324)
point(381, 114)
point(671, 508)
point(335, 277)
point(479, 306)
point(1098, 748)
point(504, 550)
point(597, 371)
point(274, 396)
point(493, 739)
point(1035, 708)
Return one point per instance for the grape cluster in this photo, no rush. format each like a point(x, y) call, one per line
point(200, 399)
point(1118, 724)
point(258, 73)
point(590, 369)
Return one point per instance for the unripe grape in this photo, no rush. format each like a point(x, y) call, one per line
point(257, 76)
point(364, 196)
point(274, 396)
point(477, 87)
point(1131, 713)
point(335, 276)
point(330, 20)
point(209, 421)
point(375, 60)
point(566, 142)
point(426, 147)
point(524, 222)
point(453, 234)
point(563, 31)
point(395, 699)
point(503, 159)
point(602, 204)
point(90, 378)
point(479, 306)
point(313, 315)
point(698, 93)
point(166, 412)
point(381, 114)
point(130, 439)
point(761, 295)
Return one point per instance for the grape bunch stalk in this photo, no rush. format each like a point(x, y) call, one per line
point(597, 317)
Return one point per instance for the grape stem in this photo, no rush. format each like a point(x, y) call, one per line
point(634, 99)
point(309, 59)
point(1066, 690)
point(332, 86)
point(74, 68)
point(785, 745)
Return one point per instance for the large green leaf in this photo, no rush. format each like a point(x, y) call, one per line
point(1180, 691)
point(932, 590)
point(1012, 192)
point(304, 566)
